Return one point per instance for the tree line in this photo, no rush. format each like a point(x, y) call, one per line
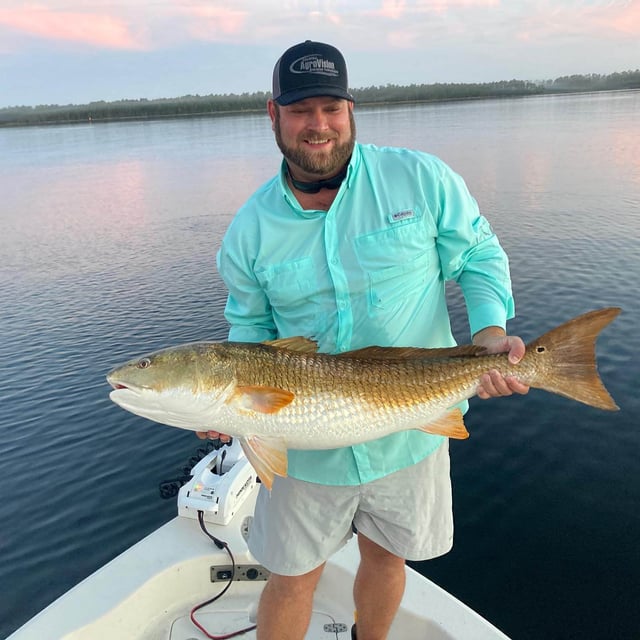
point(196, 105)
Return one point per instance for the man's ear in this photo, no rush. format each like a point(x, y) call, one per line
point(271, 110)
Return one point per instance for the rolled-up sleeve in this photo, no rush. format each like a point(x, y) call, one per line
point(471, 255)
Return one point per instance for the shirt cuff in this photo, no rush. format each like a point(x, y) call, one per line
point(238, 333)
point(488, 315)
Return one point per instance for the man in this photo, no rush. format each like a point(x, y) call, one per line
point(351, 245)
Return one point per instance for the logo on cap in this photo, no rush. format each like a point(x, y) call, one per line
point(314, 63)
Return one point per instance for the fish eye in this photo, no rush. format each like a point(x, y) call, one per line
point(144, 363)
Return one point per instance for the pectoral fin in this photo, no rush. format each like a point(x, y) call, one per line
point(261, 399)
point(451, 424)
point(268, 456)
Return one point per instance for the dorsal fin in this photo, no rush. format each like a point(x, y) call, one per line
point(295, 343)
point(405, 353)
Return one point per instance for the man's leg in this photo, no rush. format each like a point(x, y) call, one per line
point(378, 589)
point(285, 606)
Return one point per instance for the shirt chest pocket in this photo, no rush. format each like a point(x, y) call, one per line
point(397, 263)
point(290, 284)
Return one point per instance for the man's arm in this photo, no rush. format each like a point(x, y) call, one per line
point(471, 255)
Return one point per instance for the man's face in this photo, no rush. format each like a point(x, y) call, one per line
point(316, 135)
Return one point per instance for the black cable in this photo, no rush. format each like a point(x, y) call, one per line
point(221, 544)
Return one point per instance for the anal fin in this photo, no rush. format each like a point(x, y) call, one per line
point(451, 424)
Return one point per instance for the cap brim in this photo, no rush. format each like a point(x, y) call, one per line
point(312, 92)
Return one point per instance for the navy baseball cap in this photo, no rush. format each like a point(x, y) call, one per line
point(310, 69)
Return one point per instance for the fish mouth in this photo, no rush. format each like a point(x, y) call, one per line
point(117, 385)
point(127, 396)
point(163, 407)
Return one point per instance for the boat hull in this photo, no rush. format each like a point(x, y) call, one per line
point(147, 592)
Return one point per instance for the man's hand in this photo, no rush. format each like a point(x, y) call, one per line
point(213, 435)
point(493, 384)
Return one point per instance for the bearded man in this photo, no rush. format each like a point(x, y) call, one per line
point(351, 245)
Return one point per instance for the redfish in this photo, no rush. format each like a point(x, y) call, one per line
point(282, 394)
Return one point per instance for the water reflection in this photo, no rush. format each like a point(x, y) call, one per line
point(107, 250)
point(532, 156)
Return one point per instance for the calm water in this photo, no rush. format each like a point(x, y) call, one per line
point(107, 250)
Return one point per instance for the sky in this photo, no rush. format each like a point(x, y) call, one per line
point(78, 51)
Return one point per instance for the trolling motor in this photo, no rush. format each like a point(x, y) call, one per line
point(219, 485)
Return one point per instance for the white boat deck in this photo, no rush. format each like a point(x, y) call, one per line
point(147, 592)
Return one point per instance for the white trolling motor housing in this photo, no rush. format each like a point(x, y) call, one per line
point(219, 484)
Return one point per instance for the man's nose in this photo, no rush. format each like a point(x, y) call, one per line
point(317, 119)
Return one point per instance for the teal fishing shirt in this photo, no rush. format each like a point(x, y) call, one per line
point(369, 271)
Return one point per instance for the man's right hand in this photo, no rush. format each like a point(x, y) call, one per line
point(213, 435)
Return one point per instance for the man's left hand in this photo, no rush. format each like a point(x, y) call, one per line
point(493, 384)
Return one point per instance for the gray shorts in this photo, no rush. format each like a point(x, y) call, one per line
point(299, 525)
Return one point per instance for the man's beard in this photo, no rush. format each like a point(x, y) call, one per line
point(315, 163)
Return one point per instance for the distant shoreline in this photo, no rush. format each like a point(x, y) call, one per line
point(252, 103)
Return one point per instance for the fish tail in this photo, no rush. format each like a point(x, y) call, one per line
point(573, 371)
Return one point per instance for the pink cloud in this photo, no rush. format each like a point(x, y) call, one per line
point(210, 22)
point(99, 30)
point(397, 9)
point(392, 9)
point(626, 20)
point(550, 20)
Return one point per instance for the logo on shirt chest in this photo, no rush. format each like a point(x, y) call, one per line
point(399, 216)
